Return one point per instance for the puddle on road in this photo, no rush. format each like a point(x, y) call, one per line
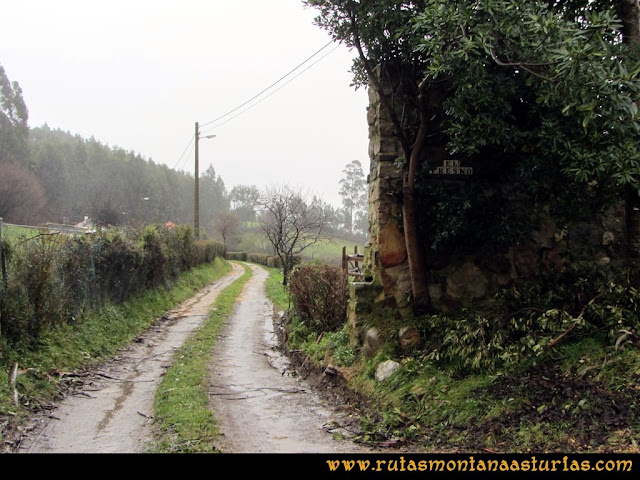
point(260, 405)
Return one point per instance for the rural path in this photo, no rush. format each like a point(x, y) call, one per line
point(113, 411)
point(261, 405)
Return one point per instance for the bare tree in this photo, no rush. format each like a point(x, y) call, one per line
point(290, 222)
point(226, 224)
point(21, 195)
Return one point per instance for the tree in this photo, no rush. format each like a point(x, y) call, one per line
point(353, 190)
point(14, 131)
point(226, 224)
point(213, 194)
point(540, 91)
point(244, 199)
point(21, 196)
point(290, 223)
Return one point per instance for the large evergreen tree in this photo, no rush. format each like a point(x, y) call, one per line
point(353, 190)
point(539, 92)
point(14, 131)
point(21, 196)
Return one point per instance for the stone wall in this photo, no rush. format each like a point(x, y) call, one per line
point(459, 278)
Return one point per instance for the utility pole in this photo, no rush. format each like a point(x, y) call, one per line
point(196, 208)
point(196, 202)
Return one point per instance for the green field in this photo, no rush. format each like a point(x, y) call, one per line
point(17, 233)
point(329, 251)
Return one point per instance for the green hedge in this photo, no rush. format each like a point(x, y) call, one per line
point(53, 278)
point(260, 258)
point(238, 256)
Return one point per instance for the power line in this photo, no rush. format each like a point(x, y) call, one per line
point(185, 151)
point(269, 87)
point(188, 155)
point(183, 158)
point(267, 96)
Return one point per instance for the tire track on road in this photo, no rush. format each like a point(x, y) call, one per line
point(114, 416)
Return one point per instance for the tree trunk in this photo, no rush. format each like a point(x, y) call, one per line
point(415, 251)
point(285, 269)
point(629, 13)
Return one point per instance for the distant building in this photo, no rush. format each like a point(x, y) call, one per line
point(86, 226)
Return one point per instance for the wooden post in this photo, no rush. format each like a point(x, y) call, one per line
point(355, 253)
point(345, 262)
point(196, 201)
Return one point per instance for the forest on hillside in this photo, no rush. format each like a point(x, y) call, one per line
point(49, 175)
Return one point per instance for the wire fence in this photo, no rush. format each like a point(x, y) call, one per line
point(50, 277)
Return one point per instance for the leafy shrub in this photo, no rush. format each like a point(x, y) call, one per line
point(529, 322)
point(54, 278)
point(119, 265)
point(261, 258)
point(239, 256)
point(208, 250)
point(154, 258)
point(274, 262)
point(76, 269)
point(33, 297)
point(270, 261)
point(320, 295)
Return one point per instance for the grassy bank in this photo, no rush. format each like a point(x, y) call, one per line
point(583, 399)
point(183, 420)
point(276, 292)
point(92, 338)
point(581, 396)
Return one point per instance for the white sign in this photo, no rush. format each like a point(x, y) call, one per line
point(451, 167)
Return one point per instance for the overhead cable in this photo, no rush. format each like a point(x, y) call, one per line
point(185, 151)
point(265, 97)
point(268, 88)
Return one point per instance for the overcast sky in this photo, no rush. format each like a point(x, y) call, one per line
point(138, 74)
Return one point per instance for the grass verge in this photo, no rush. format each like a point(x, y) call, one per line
point(94, 337)
point(582, 397)
point(183, 420)
point(569, 403)
point(277, 293)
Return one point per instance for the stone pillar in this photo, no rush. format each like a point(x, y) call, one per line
point(384, 293)
point(458, 277)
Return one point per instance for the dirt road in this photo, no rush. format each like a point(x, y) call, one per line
point(260, 405)
point(113, 411)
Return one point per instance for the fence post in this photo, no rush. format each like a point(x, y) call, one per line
point(355, 253)
point(345, 262)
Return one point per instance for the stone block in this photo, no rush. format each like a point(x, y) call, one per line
point(388, 170)
point(613, 219)
point(409, 337)
point(387, 129)
point(385, 369)
point(373, 341)
point(526, 261)
point(372, 115)
point(608, 238)
point(391, 245)
point(495, 263)
point(384, 145)
point(435, 291)
point(467, 281)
